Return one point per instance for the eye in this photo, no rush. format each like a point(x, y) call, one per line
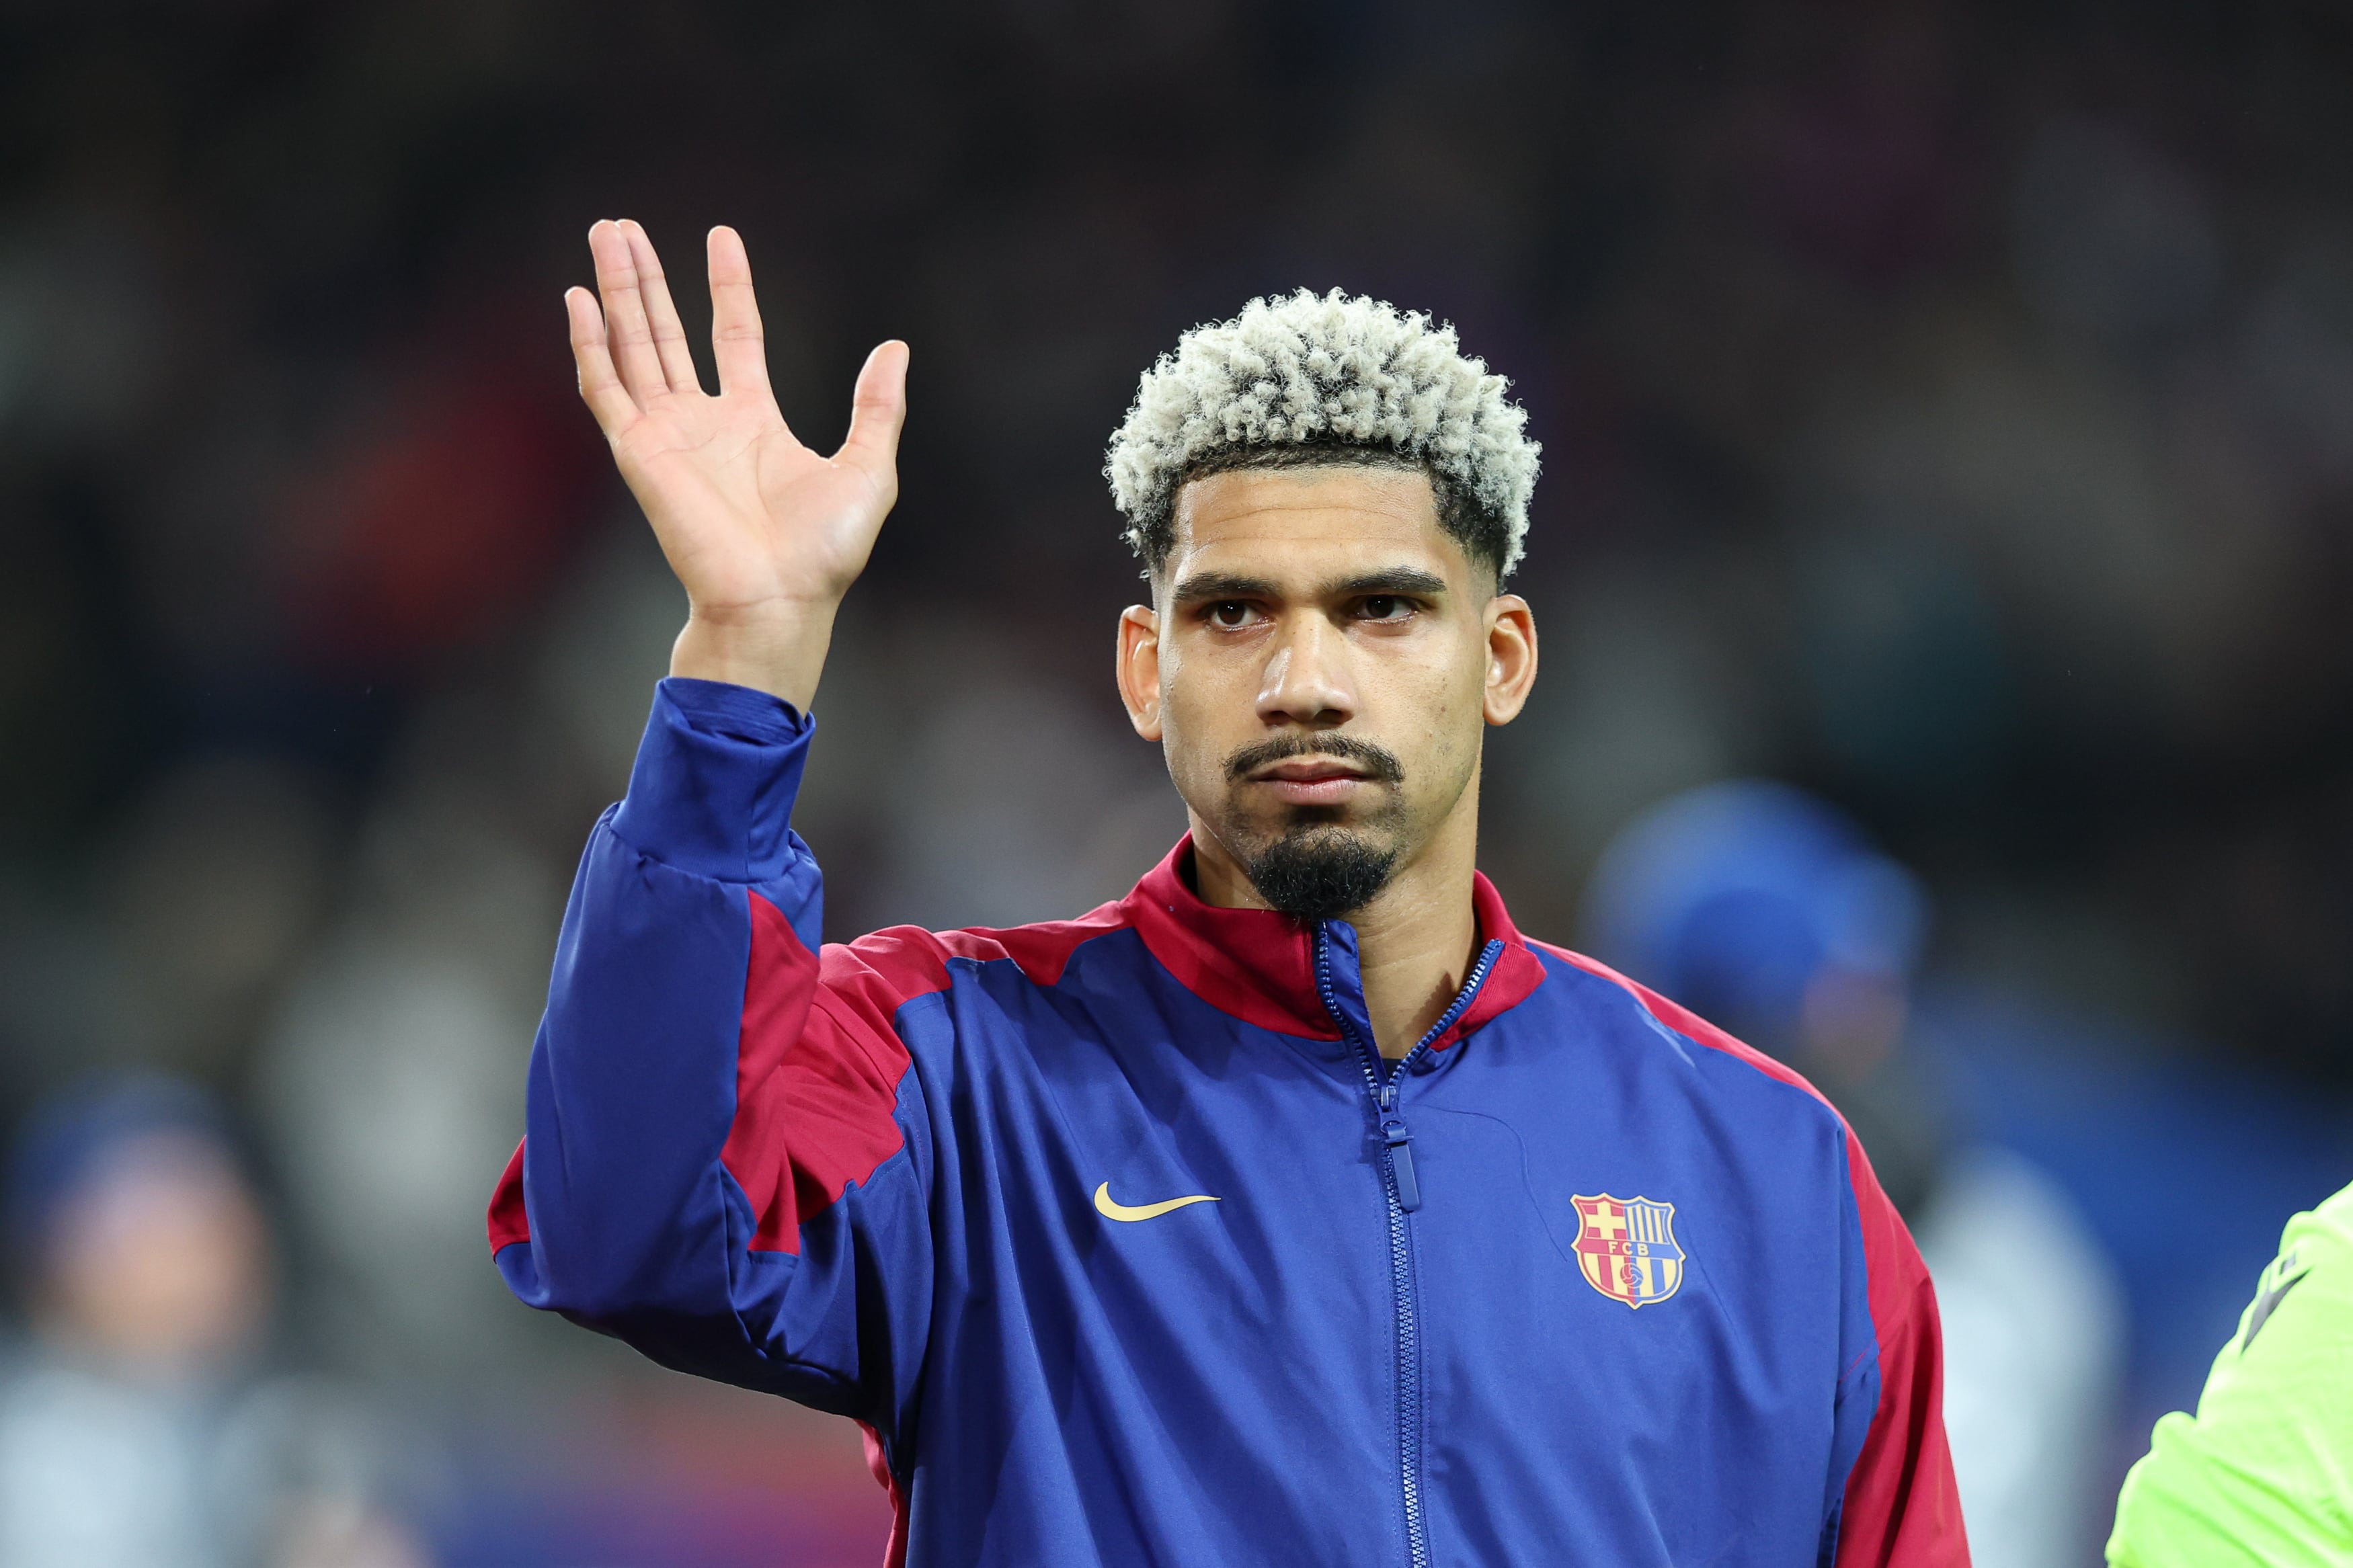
point(1230, 613)
point(1385, 607)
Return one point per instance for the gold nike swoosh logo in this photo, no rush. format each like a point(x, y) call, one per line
point(1110, 1210)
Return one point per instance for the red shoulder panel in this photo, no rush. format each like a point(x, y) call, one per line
point(820, 1060)
point(886, 970)
point(815, 1092)
point(1041, 952)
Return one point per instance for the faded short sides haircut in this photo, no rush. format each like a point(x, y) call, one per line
point(1308, 381)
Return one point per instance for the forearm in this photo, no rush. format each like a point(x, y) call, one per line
point(716, 1168)
point(635, 1077)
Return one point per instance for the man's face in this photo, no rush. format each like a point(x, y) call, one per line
point(1319, 668)
point(159, 1263)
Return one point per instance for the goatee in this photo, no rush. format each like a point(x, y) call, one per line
point(1316, 874)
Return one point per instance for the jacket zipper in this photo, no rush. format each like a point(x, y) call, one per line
point(1401, 1186)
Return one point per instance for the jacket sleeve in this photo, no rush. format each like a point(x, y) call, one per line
point(726, 1160)
point(1898, 1507)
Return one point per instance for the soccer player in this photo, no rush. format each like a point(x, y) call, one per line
point(2262, 1475)
point(1294, 1207)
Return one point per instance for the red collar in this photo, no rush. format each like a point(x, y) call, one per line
point(1259, 966)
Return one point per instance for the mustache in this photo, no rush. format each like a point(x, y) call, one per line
point(1378, 760)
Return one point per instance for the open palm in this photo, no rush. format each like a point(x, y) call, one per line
point(761, 530)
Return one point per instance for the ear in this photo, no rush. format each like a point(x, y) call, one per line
point(1138, 672)
point(1511, 656)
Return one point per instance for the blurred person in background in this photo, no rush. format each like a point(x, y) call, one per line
point(2262, 1475)
point(1295, 1203)
point(1769, 910)
point(137, 1427)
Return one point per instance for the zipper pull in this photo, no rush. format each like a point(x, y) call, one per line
point(1400, 1144)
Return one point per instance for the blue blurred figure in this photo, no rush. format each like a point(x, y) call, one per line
point(1771, 913)
point(137, 1429)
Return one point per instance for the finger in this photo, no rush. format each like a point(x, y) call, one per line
point(878, 411)
point(626, 332)
point(661, 315)
point(600, 388)
point(737, 340)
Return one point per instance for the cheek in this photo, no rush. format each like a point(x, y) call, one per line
point(1203, 714)
point(1438, 689)
point(1441, 704)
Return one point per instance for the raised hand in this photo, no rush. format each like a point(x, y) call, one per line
point(766, 534)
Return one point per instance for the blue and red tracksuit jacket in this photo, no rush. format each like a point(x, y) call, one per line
point(1581, 1280)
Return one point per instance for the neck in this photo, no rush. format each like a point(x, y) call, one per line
point(1416, 942)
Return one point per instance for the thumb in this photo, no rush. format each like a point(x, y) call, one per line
point(878, 411)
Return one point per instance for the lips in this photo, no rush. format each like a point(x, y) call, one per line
point(1311, 781)
point(1325, 769)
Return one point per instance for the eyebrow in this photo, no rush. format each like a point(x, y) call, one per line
point(1222, 585)
point(1400, 580)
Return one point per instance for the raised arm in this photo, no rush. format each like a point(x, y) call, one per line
point(765, 534)
point(723, 1163)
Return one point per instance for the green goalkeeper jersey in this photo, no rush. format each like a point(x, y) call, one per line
point(2262, 1475)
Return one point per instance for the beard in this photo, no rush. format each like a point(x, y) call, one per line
point(1313, 866)
point(1319, 872)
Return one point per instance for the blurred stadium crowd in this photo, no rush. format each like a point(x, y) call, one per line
point(1948, 413)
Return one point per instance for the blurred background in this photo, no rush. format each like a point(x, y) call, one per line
point(1948, 418)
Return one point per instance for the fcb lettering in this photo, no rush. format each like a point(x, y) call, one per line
point(1627, 1248)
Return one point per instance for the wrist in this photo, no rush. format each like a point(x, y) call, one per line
point(777, 649)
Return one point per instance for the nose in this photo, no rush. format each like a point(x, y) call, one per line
point(1307, 679)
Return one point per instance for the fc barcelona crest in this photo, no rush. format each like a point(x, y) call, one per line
point(1627, 1248)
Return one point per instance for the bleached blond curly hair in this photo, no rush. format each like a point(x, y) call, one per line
point(1331, 378)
